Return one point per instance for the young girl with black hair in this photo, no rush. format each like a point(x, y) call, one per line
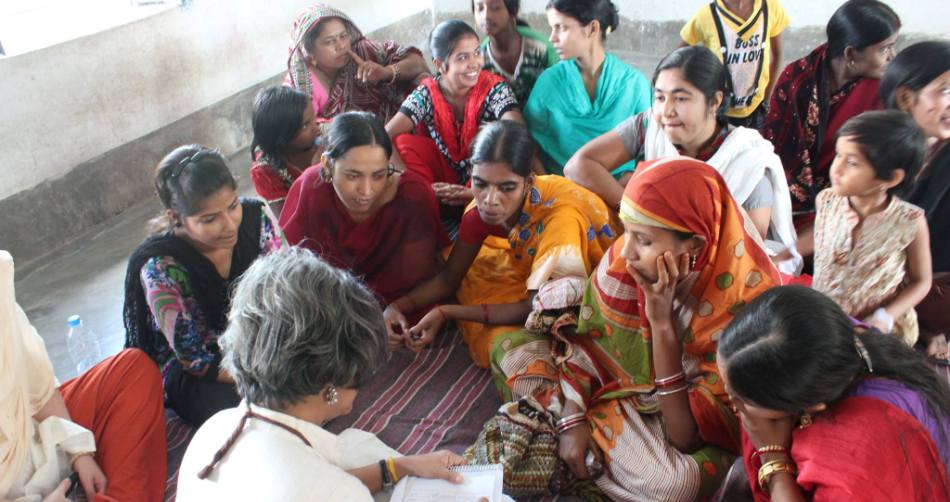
point(284, 145)
point(446, 112)
point(872, 249)
point(511, 48)
point(830, 413)
point(178, 280)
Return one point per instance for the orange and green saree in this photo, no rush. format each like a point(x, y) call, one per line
point(603, 361)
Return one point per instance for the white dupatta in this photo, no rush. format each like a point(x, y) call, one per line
point(742, 160)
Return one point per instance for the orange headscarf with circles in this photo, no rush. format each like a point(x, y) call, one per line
point(686, 195)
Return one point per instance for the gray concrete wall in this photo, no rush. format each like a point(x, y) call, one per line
point(84, 122)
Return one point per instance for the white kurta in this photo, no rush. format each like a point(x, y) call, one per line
point(268, 462)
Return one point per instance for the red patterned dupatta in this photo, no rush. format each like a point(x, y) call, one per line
point(458, 141)
point(347, 94)
point(862, 449)
point(687, 195)
point(803, 119)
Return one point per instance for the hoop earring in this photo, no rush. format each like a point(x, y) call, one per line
point(331, 396)
point(805, 420)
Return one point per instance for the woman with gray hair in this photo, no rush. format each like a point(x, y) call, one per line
point(303, 338)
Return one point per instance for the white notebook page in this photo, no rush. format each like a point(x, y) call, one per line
point(481, 482)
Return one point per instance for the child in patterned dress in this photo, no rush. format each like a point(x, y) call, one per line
point(872, 249)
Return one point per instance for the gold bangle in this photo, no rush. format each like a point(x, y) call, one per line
point(391, 464)
point(771, 448)
point(769, 469)
point(75, 456)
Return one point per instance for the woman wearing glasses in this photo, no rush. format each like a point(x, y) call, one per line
point(359, 214)
point(178, 279)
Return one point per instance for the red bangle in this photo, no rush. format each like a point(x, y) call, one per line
point(485, 318)
point(670, 381)
point(770, 448)
point(564, 425)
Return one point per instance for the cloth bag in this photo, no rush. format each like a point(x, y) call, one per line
point(523, 439)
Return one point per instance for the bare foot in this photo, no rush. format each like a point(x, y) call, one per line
point(937, 347)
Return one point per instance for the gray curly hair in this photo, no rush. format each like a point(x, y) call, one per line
point(298, 324)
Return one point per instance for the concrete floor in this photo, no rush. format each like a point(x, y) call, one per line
point(87, 278)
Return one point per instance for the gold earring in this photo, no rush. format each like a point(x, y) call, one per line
point(331, 396)
point(805, 420)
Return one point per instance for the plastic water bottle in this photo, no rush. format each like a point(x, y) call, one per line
point(83, 345)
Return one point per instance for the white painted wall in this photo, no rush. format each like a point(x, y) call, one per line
point(69, 103)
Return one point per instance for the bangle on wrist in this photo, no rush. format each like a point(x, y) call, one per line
point(384, 473)
point(670, 392)
point(572, 416)
point(769, 448)
point(391, 465)
point(670, 381)
point(76, 456)
point(570, 424)
point(769, 469)
point(571, 421)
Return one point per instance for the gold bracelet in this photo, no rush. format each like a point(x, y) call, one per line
point(771, 448)
point(75, 456)
point(391, 463)
point(769, 469)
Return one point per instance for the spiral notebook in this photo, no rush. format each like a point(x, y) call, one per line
point(481, 482)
